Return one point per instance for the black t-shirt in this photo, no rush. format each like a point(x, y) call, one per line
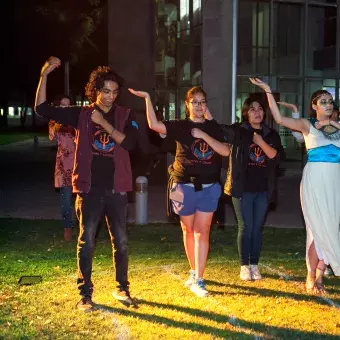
point(194, 157)
point(103, 147)
point(256, 179)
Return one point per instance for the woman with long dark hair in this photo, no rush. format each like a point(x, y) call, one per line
point(320, 195)
point(194, 175)
point(251, 181)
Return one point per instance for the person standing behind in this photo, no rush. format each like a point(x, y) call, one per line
point(194, 175)
point(64, 136)
point(102, 171)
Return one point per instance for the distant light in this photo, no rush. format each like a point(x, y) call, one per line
point(11, 111)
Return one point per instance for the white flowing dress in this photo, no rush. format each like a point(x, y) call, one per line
point(320, 197)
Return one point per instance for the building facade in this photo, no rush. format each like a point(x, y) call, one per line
point(294, 45)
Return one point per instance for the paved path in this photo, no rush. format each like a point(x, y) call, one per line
point(26, 188)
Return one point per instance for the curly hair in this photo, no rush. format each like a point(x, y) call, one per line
point(313, 100)
point(97, 81)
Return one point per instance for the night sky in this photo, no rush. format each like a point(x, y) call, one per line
point(73, 30)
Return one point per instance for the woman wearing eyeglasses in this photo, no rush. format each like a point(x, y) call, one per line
point(194, 177)
point(320, 195)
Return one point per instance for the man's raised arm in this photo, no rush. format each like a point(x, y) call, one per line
point(51, 64)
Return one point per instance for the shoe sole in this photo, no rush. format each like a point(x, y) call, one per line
point(199, 294)
point(243, 279)
point(123, 299)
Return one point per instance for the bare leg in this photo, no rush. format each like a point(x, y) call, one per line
point(201, 227)
point(314, 282)
point(311, 274)
point(188, 238)
point(320, 270)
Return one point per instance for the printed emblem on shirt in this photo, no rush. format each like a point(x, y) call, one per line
point(256, 156)
point(103, 142)
point(202, 150)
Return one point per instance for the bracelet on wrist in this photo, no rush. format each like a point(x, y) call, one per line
point(112, 131)
point(268, 92)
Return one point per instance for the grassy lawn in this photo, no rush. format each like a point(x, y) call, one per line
point(11, 137)
point(274, 308)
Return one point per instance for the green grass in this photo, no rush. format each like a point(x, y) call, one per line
point(12, 137)
point(274, 308)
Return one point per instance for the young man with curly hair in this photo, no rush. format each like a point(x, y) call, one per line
point(105, 132)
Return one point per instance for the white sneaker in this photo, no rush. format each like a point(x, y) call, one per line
point(255, 273)
point(245, 273)
point(191, 280)
point(199, 289)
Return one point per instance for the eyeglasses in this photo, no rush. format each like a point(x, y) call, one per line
point(195, 103)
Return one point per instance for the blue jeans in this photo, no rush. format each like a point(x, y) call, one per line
point(250, 212)
point(90, 208)
point(66, 206)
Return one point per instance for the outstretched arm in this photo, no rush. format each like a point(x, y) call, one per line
point(296, 115)
point(221, 148)
point(294, 124)
point(153, 122)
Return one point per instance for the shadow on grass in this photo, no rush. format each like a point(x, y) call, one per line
point(251, 290)
point(244, 329)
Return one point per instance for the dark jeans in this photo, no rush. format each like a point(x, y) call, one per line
point(66, 205)
point(250, 212)
point(90, 209)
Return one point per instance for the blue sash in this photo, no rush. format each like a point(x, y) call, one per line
point(327, 154)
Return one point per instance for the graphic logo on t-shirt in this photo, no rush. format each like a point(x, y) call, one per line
point(256, 155)
point(103, 142)
point(202, 150)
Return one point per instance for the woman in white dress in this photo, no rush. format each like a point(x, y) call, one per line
point(320, 194)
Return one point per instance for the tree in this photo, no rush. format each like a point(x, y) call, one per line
point(74, 30)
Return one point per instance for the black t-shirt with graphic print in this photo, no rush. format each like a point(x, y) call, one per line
point(103, 150)
point(257, 174)
point(194, 157)
point(103, 147)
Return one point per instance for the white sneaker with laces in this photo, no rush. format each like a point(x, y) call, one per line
point(255, 273)
point(245, 273)
point(199, 289)
point(191, 280)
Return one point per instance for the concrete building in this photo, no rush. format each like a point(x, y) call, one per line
point(167, 46)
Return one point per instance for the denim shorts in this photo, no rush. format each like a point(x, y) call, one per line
point(186, 201)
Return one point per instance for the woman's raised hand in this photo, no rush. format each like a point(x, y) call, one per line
point(322, 123)
point(141, 94)
point(258, 82)
point(289, 106)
